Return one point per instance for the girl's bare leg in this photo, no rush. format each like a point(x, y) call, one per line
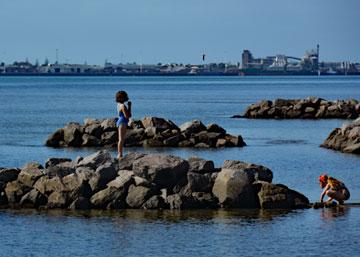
point(122, 132)
point(339, 196)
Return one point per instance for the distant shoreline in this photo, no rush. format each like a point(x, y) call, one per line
point(165, 75)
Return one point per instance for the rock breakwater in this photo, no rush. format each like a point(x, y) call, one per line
point(345, 139)
point(148, 132)
point(147, 181)
point(309, 108)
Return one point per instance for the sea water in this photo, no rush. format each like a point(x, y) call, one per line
point(33, 107)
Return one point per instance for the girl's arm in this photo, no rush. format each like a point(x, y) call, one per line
point(126, 111)
point(323, 193)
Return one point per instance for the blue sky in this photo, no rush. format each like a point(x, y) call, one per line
point(151, 31)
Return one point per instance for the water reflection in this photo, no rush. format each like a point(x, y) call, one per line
point(334, 212)
point(169, 216)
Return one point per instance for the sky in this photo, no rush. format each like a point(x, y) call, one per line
point(176, 31)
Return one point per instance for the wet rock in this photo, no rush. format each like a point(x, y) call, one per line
point(199, 182)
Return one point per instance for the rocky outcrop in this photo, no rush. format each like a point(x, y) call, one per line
point(345, 139)
point(309, 108)
point(147, 181)
point(148, 132)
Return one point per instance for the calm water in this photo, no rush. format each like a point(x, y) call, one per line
point(31, 108)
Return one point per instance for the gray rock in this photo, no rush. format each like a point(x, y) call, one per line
point(200, 165)
point(138, 195)
point(162, 170)
point(47, 186)
point(94, 130)
point(108, 125)
point(89, 140)
point(96, 159)
point(254, 172)
point(233, 189)
point(103, 198)
point(126, 163)
point(180, 202)
point(103, 175)
point(8, 175)
point(158, 123)
point(279, 196)
point(192, 127)
point(109, 138)
point(199, 182)
point(73, 134)
point(60, 170)
point(215, 128)
point(55, 161)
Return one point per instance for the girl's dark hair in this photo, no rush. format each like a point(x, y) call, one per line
point(121, 96)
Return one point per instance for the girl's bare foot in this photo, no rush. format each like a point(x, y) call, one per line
point(119, 157)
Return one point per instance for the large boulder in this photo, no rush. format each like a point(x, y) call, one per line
point(233, 189)
point(55, 139)
point(126, 163)
point(55, 161)
point(57, 200)
point(278, 196)
point(163, 170)
point(46, 185)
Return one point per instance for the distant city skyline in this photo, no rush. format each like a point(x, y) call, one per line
point(176, 32)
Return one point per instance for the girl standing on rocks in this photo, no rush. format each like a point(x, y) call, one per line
point(124, 113)
point(334, 189)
